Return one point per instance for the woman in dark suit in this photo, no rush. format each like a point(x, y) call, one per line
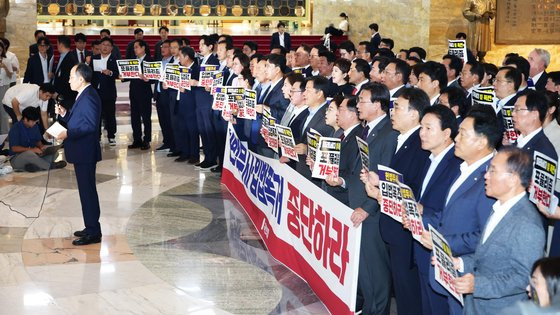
point(340, 77)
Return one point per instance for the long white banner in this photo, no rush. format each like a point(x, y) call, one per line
point(303, 227)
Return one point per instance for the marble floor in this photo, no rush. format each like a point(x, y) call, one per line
point(170, 243)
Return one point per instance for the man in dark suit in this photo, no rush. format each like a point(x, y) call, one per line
point(374, 276)
point(34, 48)
point(506, 85)
point(466, 205)
point(303, 60)
point(163, 33)
point(39, 65)
point(104, 83)
point(409, 160)
point(140, 94)
point(528, 116)
point(81, 53)
point(315, 93)
point(116, 50)
point(539, 59)
point(347, 119)
point(437, 131)
point(471, 76)
point(359, 74)
point(81, 147)
point(395, 76)
point(281, 38)
point(432, 80)
point(522, 65)
point(164, 102)
point(61, 71)
point(204, 107)
point(453, 66)
point(130, 52)
point(375, 37)
point(511, 241)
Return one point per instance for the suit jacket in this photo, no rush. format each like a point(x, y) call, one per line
point(275, 40)
point(398, 92)
point(105, 84)
point(344, 90)
point(276, 101)
point(348, 153)
point(500, 115)
point(141, 87)
point(82, 121)
point(433, 200)
point(61, 77)
point(34, 71)
point(308, 71)
point(464, 217)
point(157, 50)
point(382, 141)
point(87, 53)
point(541, 83)
point(317, 123)
point(130, 50)
point(409, 160)
point(502, 265)
point(375, 41)
point(297, 125)
point(541, 144)
point(116, 52)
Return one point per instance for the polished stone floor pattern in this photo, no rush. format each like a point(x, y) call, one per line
point(171, 243)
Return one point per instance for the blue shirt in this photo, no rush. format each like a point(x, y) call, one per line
point(22, 136)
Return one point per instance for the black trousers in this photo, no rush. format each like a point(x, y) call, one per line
point(163, 105)
point(85, 176)
point(141, 114)
point(108, 117)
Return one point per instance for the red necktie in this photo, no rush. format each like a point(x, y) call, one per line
point(342, 136)
point(355, 91)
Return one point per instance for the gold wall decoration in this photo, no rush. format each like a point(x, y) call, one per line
point(53, 9)
point(71, 9)
point(221, 10)
point(104, 9)
point(89, 9)
point(172, 10)
point(205, 10)
point(122, 10)
point(155, 10)
point(253, 10)
point(237, 10)
point(269, 10)
point(139, 10)
point(188, 10)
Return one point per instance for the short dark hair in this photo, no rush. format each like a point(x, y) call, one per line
point(383, 62)
point(175, 40)
point(550, 270)
point(362, 66)
point(461, 35)
point(446, 118)
point(189, 52)
point(402, 67)
point(243, 60)
point(138, 31)
point(280, 24)
point(491, 70)
point(293, 77)
point(37, 32)
point(31, 113)
point(320, 84)
point(229, 45)
point(208, 40)
point(227, 38)
point(96, 42)
point(352, 104)
point(436, 71)
point(105, 30)
point(535, 100)
point(513, 75)
point(456, 97)
point(6, 42)
point(252, 45)
point(476, 69)
point(485, 124)
point(278, 61)
point(84, 71)
point(305, 47)
point(47, 88)
point(418, 100)
point(163, 28)
point(348, 46)
point(374, 26)
point(555, 77)
point(80, 37)
point(279, 47)
point(343, 64)
point(329, 55)
point(64, 40)
point(338, 99)
point(419, 50)
point(553, 100)
point(379, 93)
point(521, 64)
point(389, 42)
point(257, 56)
point(385, 52)
point(519, 162)
point(456, 64)
point(141, 42)
point(320, 47)
point(185, 42)
point(106, 39)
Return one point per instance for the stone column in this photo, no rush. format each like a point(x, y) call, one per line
point(21, 23)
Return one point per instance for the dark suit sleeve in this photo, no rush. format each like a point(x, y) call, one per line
point(87, 121)
point(287, 42)
point(27, 75)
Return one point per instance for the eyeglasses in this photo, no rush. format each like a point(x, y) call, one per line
point(296, 91)
point(492, 170)
point(520, 109)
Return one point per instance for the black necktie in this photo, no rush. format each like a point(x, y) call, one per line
point(365, 133)
point(82, 60)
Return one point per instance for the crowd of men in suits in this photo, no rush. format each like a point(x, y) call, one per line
point(417, 118)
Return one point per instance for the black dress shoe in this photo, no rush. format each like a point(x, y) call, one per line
point(217, 169)
point(173, 154)
point(194, 160)
point(81, 233)
point(86, 240)
point(135, 145)
point(163, 147)
point(182, 159)
point(145, 146)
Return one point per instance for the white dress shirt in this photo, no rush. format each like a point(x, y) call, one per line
point(466, 171)
point(393, 91)
point(498, 213)
point(504, 101)
point(435, 160)
point(401, 139)
point(536, 77)
point(45, 67)
point(434, 100)
point(374, 123)
point(523, 140)
point(281, 39)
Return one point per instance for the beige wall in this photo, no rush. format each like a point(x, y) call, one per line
point(21, 23)
point(402, 20)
